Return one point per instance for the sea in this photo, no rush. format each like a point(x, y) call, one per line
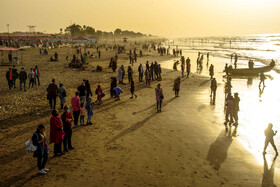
point(259, 106)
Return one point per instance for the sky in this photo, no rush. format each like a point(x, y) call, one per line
point(169, 18)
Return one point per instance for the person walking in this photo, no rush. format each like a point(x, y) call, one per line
point(67, 120)
point(37, 75)
point(236, 101)
point(113, 85)
point(176, 86)
point(132, 90)
point(52, 93)
point(88, 89)
point(22, 79)
point(61, 95)
point(211, 71)
point(9, 76)
point(120, 75)
point(56, 132)
point(269, 134)
point(159, 97)
point(75, 101)
point(141, 72)
point(39, 139)
point(262, 78)
point(99, 93)
point(31, 76)
point(89, 107)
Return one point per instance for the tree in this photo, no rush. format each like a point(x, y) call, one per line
point(74, 29)
point(117, 32)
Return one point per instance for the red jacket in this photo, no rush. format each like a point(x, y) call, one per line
point(37, 71)
point(55, 130)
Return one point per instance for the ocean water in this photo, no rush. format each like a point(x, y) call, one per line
point(259, 105)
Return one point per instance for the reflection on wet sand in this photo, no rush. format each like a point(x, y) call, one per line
point(217, 153)
point(268, 173)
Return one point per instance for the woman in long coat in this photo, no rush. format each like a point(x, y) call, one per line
point(56, 132)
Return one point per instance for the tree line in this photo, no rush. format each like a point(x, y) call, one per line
point(78, 30)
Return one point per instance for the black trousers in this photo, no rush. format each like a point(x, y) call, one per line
point(159, 105)
point(67, 138)
point(41, 164)
point(76, 117)
point(140, 77)
point(57, 148)
point(52, 101)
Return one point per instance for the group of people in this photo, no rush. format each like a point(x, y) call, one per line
point(12, 75)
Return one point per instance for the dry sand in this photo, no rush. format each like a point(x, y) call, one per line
point(130, 144)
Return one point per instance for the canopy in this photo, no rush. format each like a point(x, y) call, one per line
point(8, 49)
point(80, 38)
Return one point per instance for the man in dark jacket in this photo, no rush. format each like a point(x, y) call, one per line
point(141, 72)
point(52, 93)
point(22, 78)
point(15, 75)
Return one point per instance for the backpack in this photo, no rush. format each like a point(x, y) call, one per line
point(29, 147)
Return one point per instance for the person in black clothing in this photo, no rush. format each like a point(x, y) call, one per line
point(15, 75)
point(82, 92)
point(9, 76)
point(114, 65)
point(52, 93)
point(132, 90)
point(22, 78)
point(141, 72)
point(39, 139)
point(56, 56)
point(152, 71)
point(99, 54)
point(89, 93)
point(147, 66)
point(10, 57)
point(113, 85)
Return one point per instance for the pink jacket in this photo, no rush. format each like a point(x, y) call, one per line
point(75, 103)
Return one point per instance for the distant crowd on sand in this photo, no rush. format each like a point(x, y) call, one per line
point(81, 111)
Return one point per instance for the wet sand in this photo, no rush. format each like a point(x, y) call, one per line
point(129, 144)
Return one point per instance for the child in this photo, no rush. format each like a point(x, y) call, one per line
point(98, 91)
point(89, 107)
point(82, 114)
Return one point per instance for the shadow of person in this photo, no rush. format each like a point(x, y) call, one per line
point(217, 153)
point(261, 89)
point(212, 100)
point(268, 174)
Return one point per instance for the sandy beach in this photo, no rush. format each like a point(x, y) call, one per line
point(129, 143)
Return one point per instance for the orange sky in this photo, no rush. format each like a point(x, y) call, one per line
point(157, 17)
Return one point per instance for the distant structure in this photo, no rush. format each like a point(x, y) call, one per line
point(31, 28)
point(125, 40)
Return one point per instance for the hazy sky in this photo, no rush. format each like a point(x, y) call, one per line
point(157, 17)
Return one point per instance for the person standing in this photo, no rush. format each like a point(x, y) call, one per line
point(147, 66)
point(269, 134)
point(9, 76)
point(183, 69)
point(236, 101)
point(52, 93)
point(82, 114)
point(147, 77)
point(37, 75)
point(211, 71)
point(88, 89)
point(229, 110)
point(67, 120)
point(75, 101)
point(56, 56)
point(56, 132)
point(99, 54)
point(152, 71)
point(159, 97)
point(113, 85)
point(141, 72)
point(213, 88)
point(176, 86)
point(31, 77)
point(132, 88)
point(61, 95)
point(159, 73)
point(188, 67)
point(15, 76)
point(89, 107)
point(120, 76)
point(129, 74)
point(39, 139)
point(82, 92)
point(22, 78)
point(99, 93)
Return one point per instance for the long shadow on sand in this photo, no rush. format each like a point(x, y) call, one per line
point(268, 174)
point(138, 124)
point(217, 153)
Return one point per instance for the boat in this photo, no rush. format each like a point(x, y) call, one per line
point(248, 71)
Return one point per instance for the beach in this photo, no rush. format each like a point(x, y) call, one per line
point(129, 143)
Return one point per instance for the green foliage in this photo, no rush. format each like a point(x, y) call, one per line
point(77, 30)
